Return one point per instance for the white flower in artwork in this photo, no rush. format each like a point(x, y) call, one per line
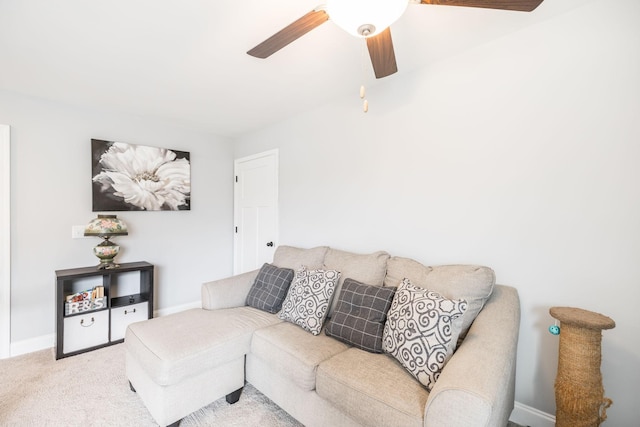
point(149, 178)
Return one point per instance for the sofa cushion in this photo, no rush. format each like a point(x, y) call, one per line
point(270, 288)
point(296, 258)
point(294, 353)
point(372, 388)
point(174, 347)
point(419, 332)
point(365, 268)
point(472, 283)
point(360, 315)
point(307, 301)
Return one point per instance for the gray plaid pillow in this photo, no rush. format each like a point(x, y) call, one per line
point(360, 315)
point(270, 288)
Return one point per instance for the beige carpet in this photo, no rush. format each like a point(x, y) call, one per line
point(91, 390)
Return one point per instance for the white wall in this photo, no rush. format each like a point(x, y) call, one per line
point(521, 154)
point(51, 192)
point(5, 240)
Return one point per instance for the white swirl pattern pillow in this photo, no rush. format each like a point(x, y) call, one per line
point(418, 331)
point(308, 298)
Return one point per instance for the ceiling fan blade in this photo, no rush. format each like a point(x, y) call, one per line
point(382, 55)
point(518, 5)
point(289, 33)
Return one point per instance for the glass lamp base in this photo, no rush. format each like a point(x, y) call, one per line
point(106, 251)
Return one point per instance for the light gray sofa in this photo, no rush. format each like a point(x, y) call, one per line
point(182, 362)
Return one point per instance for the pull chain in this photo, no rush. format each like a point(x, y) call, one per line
point(365, 102)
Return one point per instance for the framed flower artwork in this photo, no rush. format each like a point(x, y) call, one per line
point(128, 177)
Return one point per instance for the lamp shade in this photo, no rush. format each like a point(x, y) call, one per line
point(106, 225)
point(364, 18)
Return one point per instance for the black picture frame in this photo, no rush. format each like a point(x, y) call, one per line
point(130, 177)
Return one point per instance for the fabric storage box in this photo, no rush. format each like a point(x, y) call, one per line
point(121, 317)
point(86, 330)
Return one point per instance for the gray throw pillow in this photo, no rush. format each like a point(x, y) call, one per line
point(270, 288)
point(360, 315)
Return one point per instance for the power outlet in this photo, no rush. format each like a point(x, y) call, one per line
point(77, 232)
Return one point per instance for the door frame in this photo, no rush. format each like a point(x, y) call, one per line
point(236, 163)
point(5, 241)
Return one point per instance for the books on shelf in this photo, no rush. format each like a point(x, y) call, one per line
point(91, 299)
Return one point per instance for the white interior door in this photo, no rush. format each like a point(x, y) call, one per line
point(5, 243)
point(255, 210)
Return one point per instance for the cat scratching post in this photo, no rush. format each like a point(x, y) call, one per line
point(580, 400)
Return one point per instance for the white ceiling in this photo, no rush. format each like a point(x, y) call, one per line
point(185, 60)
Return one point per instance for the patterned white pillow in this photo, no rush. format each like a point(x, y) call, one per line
point(418, 331)
point(308, 298)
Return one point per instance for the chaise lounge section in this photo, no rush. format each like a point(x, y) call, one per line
point(182, 362)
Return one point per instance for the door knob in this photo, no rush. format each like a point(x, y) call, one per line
point(270, 244)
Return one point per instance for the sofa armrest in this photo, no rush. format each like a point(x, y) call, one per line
point(229, 292)
point(477, 385)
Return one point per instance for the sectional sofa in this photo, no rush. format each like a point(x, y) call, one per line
point(338, 339)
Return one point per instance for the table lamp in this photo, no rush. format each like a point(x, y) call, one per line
point(106, 226)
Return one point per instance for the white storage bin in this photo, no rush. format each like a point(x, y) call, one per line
point(85, 331)
point(121, 317)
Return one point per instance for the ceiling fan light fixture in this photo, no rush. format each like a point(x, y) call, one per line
point(365, 18)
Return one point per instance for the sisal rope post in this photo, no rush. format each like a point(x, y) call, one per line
point(580, 400)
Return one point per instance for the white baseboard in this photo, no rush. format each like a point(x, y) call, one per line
point(532, 417)
point(47, 341)
point(177, 309)
point(33, 344)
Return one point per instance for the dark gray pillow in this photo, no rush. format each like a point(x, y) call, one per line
point(360, 315)
point(270, 288)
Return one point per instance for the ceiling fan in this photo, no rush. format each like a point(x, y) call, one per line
point(370, 19)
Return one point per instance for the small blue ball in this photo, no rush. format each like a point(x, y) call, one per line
point(554, 329)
